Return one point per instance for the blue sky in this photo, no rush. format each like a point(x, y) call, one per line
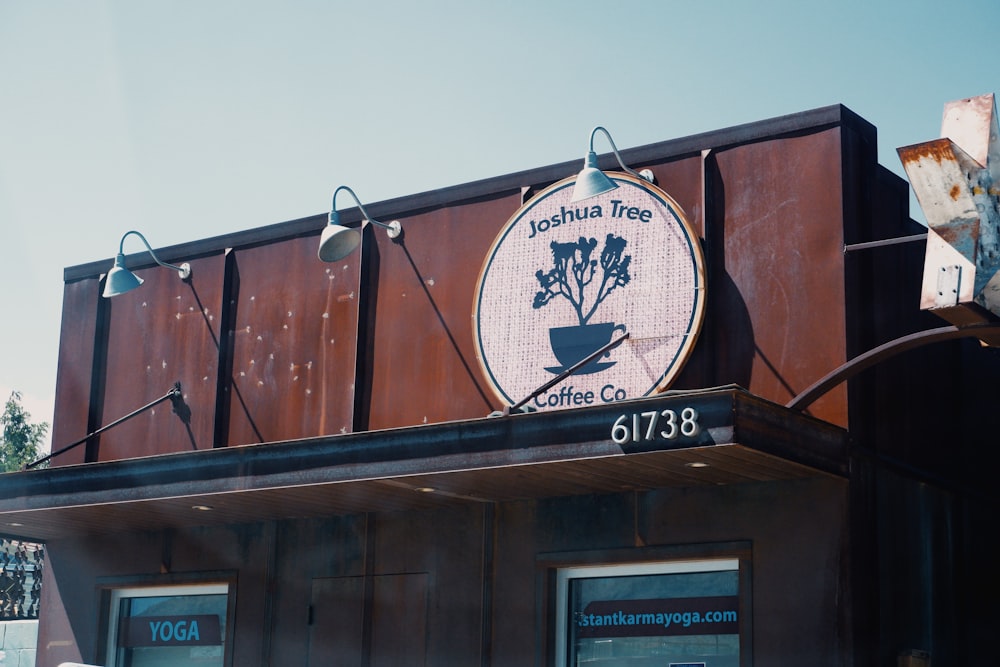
point(186, 119)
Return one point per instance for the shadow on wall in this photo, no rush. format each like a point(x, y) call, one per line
point(727, 348)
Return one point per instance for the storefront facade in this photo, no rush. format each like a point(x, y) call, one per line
point(337, 482)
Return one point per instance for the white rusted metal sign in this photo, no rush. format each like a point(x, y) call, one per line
point(957, 182)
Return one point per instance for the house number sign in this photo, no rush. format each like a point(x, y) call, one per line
point(655, 425)
point(563, 279)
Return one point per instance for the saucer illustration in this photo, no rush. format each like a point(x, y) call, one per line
point(573, 344)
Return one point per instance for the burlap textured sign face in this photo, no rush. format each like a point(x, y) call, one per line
point(565, 278)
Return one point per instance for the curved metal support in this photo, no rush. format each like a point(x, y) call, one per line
point(184, 270)
point(592, 156)
point(883, 352)
point(393, 228)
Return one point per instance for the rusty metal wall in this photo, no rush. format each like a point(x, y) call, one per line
point(423, 360)
point(684, 180)
point(778, 267)
point(76, 368)
point(294, 343)
point(271, 344)
point(167, 331)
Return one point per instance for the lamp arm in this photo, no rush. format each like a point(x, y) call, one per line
point(184, 270)
point(174, 393)
point(361, 206)
point(566, 373)
point(614, 149)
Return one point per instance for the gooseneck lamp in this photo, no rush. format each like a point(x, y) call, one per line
point(591, 181)
point(338, 241)
point(121, 280)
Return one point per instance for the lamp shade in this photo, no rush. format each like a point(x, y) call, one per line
point(591, 181)
point(337, 242)
point(120, 279)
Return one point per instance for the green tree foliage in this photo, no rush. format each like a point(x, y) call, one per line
point(22, 440)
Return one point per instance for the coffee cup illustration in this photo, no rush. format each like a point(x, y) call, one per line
point(573, 272)
point(571, 345)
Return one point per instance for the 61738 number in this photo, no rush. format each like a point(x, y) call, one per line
point(646, 426)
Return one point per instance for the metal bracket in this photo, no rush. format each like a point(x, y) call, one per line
point(948, 283)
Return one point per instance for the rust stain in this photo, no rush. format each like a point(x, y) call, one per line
point(963, 236)
point(939, 150)
point(955, 192)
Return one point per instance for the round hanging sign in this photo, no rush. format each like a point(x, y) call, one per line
point(564, 279)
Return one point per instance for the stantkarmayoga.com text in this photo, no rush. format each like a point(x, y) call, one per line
point(663, 619)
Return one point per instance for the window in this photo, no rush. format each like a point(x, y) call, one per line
point(161, 626)
point(677, 613)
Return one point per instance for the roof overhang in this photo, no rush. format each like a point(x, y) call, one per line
point(740, 437)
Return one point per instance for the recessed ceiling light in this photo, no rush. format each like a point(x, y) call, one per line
point(696, 464)
point(425, 489)
point(202, 508)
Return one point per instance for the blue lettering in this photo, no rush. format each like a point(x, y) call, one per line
point(629, 212)
point(565, 216)
point(609, 393)
point(165, 631)
point(566, 396)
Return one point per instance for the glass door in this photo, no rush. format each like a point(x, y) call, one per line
point(667, 614)
point(168, 626)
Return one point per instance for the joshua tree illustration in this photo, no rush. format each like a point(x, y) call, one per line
point(574, 270)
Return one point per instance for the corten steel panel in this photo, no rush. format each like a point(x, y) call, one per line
point(165, 331)
point(780, 281)
point(76, 368)
point(684, 181)
point(337, 623)
point(400, 619)
point(424, 366)
point(303, 557)
point(446, 546)
point(515, 577)
point(800, 562)
point(294, 343)
point(681, 179)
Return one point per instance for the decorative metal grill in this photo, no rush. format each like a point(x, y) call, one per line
point(21, 565)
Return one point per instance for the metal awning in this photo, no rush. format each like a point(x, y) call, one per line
point(729, 437)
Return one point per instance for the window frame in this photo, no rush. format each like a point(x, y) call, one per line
point(557, 569)
point(113, 592)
